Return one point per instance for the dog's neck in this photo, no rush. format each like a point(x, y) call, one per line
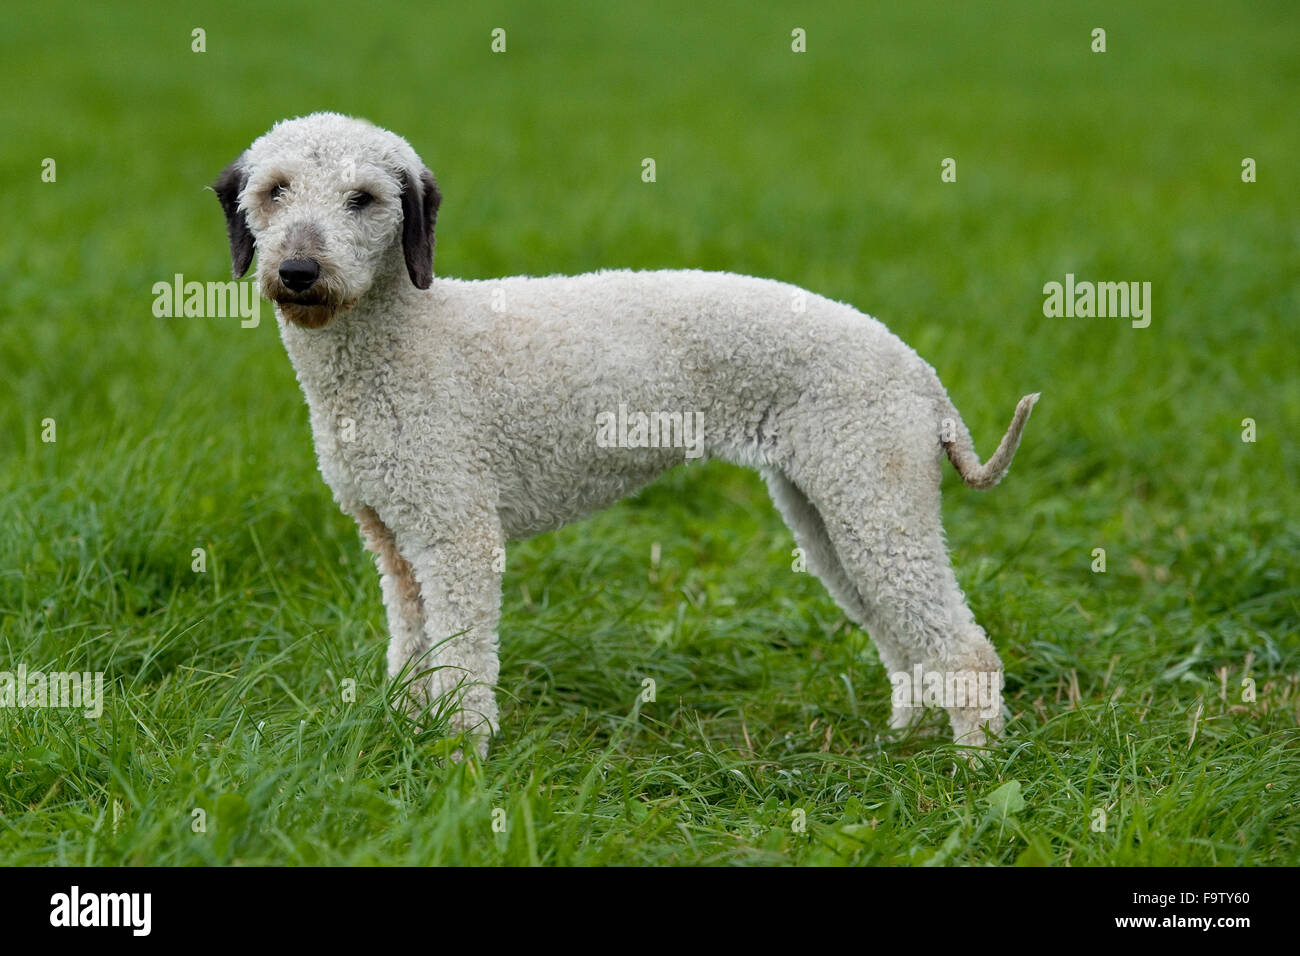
point(356, 339)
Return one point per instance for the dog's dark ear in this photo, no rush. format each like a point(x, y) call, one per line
point(420, 202)
point(228, 186)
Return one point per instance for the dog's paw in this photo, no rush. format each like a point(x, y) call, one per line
point(973, 727)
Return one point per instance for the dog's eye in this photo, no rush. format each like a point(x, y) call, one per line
point(360, 199)
point(278, 190)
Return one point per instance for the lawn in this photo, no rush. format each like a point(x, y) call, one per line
point(246, 716)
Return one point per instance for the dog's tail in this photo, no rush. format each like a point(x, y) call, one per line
point(961, 448)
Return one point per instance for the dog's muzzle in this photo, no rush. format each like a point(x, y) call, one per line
point(303, 297)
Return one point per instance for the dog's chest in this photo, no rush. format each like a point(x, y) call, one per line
point(355, 445)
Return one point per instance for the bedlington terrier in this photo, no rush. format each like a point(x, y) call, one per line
point(452, 416)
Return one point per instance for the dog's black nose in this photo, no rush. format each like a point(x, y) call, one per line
point(299, 274)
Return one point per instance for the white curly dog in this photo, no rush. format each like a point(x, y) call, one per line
point(452, 416)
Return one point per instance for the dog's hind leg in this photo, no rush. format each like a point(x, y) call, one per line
point(880, 510)
point(809, 529)
point(904, 570)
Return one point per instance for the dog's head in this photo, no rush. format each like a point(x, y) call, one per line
point(332, 204)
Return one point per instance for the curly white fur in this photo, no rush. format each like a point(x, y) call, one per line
point(452, 416)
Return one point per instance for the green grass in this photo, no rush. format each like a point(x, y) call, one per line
point(225, 689)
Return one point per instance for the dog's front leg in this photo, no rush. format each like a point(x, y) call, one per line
point(400, 590)
point(458, 574)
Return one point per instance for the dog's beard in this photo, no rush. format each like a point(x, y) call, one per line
point(307, 315)
point(313, 309)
